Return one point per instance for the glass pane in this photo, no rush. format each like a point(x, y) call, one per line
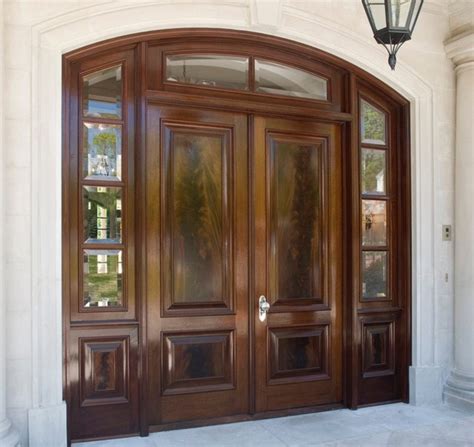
point(102, 214)
point(278, 79)
point(296, 221)
point(372, 124)
point(399, 13)
point(102, 153)
point(208, 70)
point(377, 7)
point(374, 274)
point(103, 282)
point(102, 93)
point(373, 171)
point(197, 217)
point(374, 222)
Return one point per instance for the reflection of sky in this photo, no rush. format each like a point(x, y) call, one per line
point(97, 108)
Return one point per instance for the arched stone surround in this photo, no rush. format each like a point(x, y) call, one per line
point(89, 24)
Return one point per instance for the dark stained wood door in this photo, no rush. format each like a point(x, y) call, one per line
point(197, 264)
point(298, 263)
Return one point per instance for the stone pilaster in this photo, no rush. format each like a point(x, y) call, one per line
point(459, 389)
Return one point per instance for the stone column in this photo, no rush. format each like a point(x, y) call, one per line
point(459, 389)
point(8, 436)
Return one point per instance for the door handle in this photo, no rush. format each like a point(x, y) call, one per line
point(263, 308)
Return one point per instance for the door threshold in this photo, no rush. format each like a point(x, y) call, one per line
point(244, 417)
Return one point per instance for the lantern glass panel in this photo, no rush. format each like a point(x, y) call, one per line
point(399, 13)
point(414, 15)
point(377, 8)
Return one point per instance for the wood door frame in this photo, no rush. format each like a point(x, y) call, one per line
point(344, 112)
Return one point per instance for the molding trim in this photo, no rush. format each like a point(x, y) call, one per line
point(459, 391)
point(460, 48)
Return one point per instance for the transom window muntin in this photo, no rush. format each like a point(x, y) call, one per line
point(246, 73)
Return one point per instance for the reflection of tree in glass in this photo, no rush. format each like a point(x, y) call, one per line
point(197, 201)
point(373, 123)
point(374, 279)
point(373, 164)
point(105, 144)
point(108, 202)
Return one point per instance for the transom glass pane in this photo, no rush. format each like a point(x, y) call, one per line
point(279, 79)
point(208, 70)
point(374, 222)
point(373, 174)
point(372, 124)
point(102, 214)
point(102, 151)
point(103, 278)
point(374, 274)
point(102, 93)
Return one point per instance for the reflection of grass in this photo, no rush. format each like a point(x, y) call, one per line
point(104, 285)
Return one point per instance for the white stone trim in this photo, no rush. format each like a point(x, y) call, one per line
point(91, 24)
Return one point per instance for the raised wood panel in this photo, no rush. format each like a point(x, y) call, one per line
point(103, 375)
point(298, 354)
point(196, 219)
point(378, 348)
point(105, 369)
point(197, 362)
point(296, 232)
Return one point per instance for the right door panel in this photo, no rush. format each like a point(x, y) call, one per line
point(298, 261)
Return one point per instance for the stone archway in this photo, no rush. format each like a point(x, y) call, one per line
point(96, 23)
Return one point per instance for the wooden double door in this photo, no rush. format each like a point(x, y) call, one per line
point(241, 210)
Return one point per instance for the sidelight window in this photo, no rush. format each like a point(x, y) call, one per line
point(374, 205)
point(102, 184)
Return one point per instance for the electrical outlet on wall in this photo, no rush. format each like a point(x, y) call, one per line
point(447, 233)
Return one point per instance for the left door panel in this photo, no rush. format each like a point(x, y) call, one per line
point(196, 214)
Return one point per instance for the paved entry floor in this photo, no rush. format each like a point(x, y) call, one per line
point(396, 425)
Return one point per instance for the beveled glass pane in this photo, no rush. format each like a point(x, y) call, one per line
point(374, 274)
point(102, 214)
point(399, 12)
point(374, 222)
point(296, 221)
point(279, 79)
point(102, 152)
point(372, 124)
point(197, 217)
point(373, 175)
point(103, 278)
point(102, 93)
point(209, 70)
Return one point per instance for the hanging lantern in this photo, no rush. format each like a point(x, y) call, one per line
point(392, 22)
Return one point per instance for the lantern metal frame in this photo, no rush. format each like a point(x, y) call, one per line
point(392, 37)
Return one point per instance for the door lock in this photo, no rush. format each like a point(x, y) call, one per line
point(263, 308)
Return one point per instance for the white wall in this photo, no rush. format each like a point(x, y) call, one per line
point(35, 34)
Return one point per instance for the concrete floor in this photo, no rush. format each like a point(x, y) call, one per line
point(396, 425)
